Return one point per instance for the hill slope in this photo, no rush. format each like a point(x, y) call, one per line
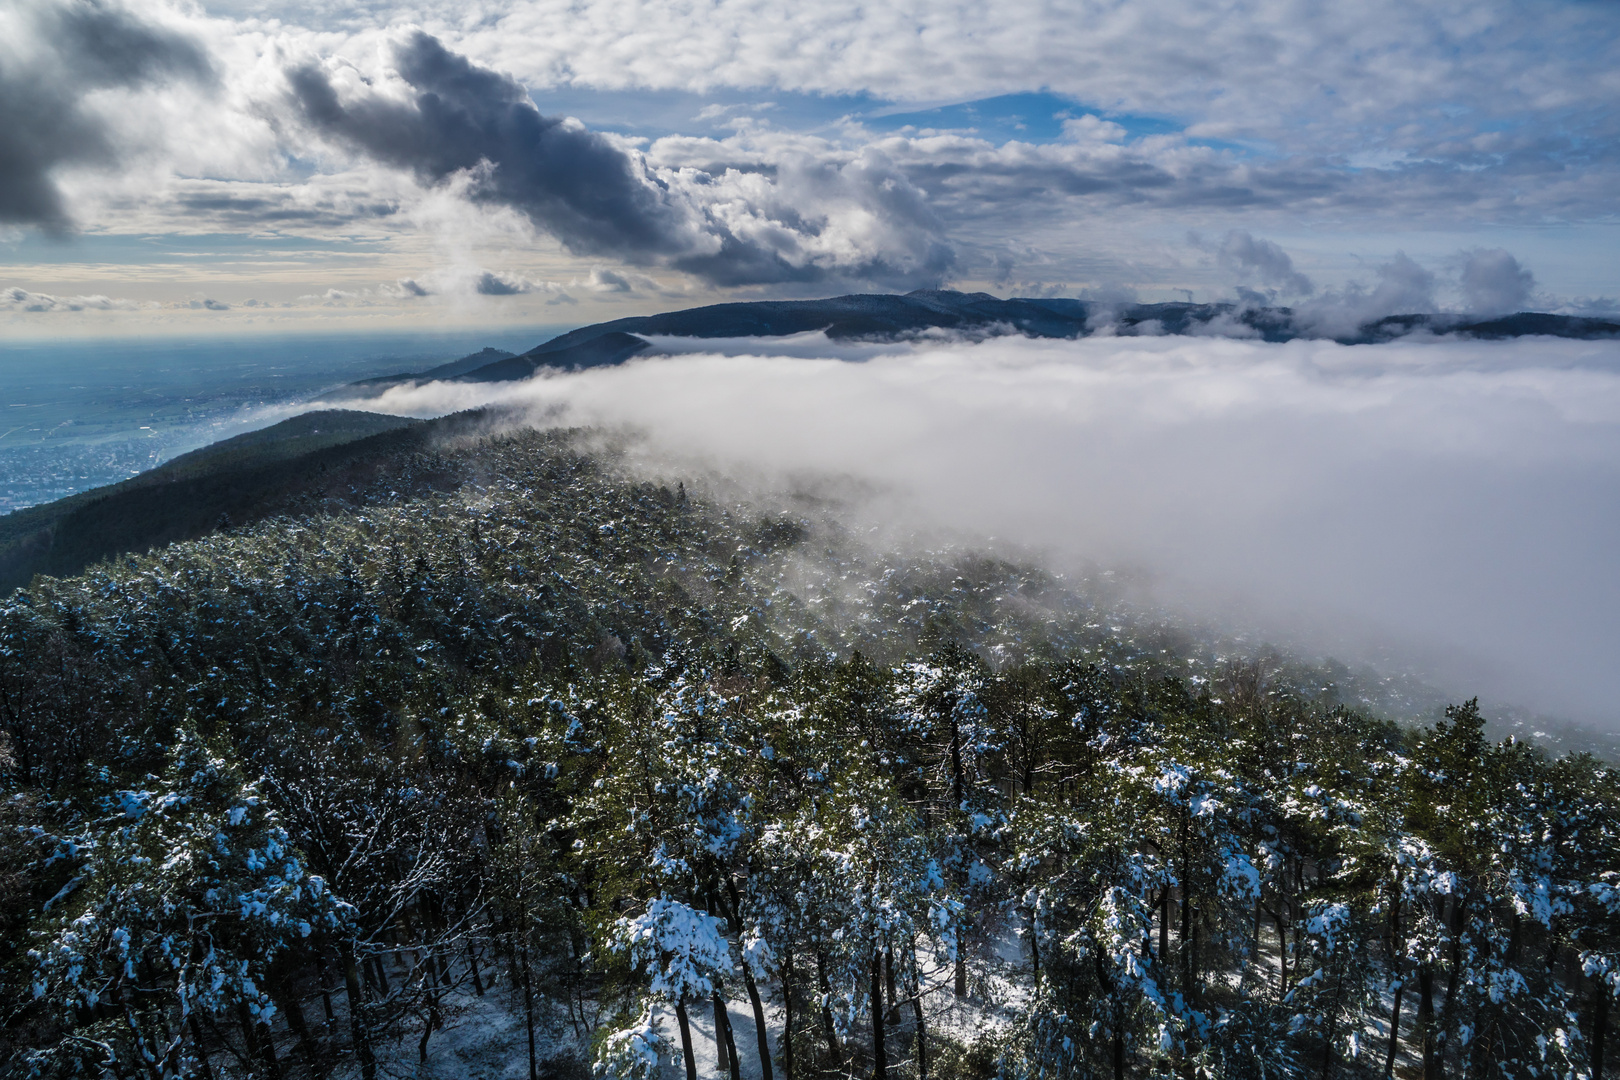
point(471, 362)
point(329, 454)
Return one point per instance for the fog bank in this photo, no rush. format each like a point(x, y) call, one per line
point(1456, 500)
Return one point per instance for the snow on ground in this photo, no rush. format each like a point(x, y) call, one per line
point(484, 1038)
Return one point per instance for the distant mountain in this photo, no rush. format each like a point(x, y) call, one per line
point(887, 316)
point(1523, 324)
point(454, 369)
point(612, 347)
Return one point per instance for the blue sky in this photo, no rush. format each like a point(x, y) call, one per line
point(254, 165)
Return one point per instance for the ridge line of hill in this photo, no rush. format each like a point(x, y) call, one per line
point(889, 316)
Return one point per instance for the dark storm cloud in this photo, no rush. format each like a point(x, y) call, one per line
point(594, 195)
point(75, 47)
point(573, 182)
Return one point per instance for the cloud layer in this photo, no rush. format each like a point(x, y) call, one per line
point(59, 54)
point(444, 119)
point(1458, 501)
point(756, 145)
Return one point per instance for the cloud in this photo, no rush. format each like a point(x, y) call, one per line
point(61, 52)
point(22, 300)
point(626, 284)
point(1454, 500)
point(405, 289)
point(1403, 288)
point(1250, 116)
point(444, 118)
point(492, 284)
point(1312, 79)
point(1494, 283)
point(451, 116)
point(1590, 306)
point(609, 281)
point(1243, 254)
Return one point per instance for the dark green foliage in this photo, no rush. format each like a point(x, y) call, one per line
point(537, 738)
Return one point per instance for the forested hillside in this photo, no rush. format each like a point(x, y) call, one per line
point(310, 463)
point(636, 778)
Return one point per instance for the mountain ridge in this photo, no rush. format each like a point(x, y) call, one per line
point(893, 316)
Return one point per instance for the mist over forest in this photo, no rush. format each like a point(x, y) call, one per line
point(1454, 502)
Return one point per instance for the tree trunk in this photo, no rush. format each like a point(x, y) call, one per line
point(1425, 1022)
point(260, 1044)
point(787, 1014)
point(250, 1037)
point(357, 1026)
point(958, 784)
point(917, 1012)
point(1194, 994)
point(880, 1053)
point(1164, 934)
point(959, 983)
point(686, 1039)
point(1459, 912)
point(761, 1032)
point(432, 1022)
point(1259, 910)
point(1186, 944)
point(422, 1043)
point(725, 1043)
point(720, 1063)
point(528, 1006)
point(1282, 953)
point(892, 1016)
point(197, 1041)
point(326, 988)
point(1600, 1026)
point(958, 795)
point(1394, 1030)
point(826, 1011)
point(288, 1003)
point(472, 967)
point(1106, 980)
point(1034, 945)
point(1395, 957)
point(1332, 1029)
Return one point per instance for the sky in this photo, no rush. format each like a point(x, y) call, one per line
point(249, 166)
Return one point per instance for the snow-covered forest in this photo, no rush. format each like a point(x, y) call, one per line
point(638, 780)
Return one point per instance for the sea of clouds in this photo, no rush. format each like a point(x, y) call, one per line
point(1456, 501)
